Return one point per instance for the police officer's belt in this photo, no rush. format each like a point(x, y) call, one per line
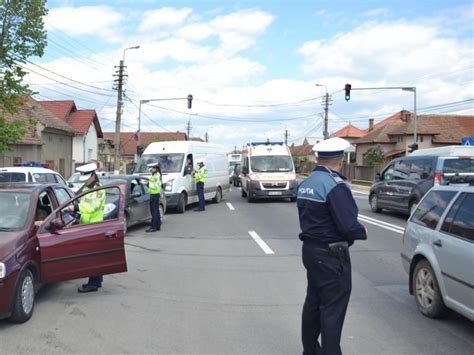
point(337, 249)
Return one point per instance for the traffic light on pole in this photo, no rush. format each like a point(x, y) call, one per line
point(190, 101)
point(347, 89)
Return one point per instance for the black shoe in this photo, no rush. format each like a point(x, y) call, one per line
point(87, 288)
point(85, 285)
point(198, 210)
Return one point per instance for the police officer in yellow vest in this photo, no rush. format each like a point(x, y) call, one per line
point(91, 210)
point(200, 177)
point(154, 189)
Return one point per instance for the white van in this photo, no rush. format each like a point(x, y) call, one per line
point(177, 160)
point(30, 174)
point(268, 172)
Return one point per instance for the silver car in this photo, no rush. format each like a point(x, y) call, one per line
point(438, 251)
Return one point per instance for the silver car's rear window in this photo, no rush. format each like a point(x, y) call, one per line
point(431, 208)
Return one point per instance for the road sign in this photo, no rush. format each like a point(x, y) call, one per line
point(467, 141)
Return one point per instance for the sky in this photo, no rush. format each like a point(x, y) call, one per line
point(257, 68)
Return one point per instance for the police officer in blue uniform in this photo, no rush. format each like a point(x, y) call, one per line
point(328, 220)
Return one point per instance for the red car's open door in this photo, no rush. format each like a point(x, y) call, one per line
point(72, 247)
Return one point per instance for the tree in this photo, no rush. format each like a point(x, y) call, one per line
point(374, 156)
point(22, 35)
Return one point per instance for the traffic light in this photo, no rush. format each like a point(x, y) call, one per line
point(412, 148)
point(190, 101)
point(347, 89)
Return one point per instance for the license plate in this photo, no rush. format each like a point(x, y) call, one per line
point(274, 193)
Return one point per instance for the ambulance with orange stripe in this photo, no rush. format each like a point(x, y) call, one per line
point(268, 172)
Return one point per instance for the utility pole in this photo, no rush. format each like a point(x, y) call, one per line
point(286, 136)
point(119, 80)
point(206, 137)
point(327, 101)
point(188, 129)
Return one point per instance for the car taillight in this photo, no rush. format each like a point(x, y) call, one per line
point(437, 178)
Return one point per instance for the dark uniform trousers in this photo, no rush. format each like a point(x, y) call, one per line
point(155, 211)
point(200, 193)
point(327, 297)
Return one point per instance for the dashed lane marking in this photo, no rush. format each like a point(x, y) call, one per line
point(230, 206)
point(381, 224)
point(261, 243)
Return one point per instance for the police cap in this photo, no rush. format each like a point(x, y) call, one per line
point(331, 148)
point(86, 171)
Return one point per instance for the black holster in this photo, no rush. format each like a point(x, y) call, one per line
point(340, 250)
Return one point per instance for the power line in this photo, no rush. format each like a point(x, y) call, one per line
point(259, 105)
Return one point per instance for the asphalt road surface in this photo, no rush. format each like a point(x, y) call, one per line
point(231, 281)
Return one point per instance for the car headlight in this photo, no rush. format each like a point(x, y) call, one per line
point(169, 185)
point(109, 208)
point(3, 270)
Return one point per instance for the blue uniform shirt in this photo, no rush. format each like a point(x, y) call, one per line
point(327, 210)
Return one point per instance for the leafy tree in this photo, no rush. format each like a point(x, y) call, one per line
point(22, 35)
point(374, 156)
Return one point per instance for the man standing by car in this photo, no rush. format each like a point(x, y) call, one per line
point(154, 189)
point(91, 210)
point(200, 177)
point(328, 221)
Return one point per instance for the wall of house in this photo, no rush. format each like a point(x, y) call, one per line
point(20, 153)
point(85, 147)
point(57, 151)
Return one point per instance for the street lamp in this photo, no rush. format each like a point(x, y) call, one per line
point(413, 90)
point(119, 110)
point(326, 109)
point(189, 98)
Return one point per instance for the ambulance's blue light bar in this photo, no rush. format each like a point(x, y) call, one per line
point(264, 143)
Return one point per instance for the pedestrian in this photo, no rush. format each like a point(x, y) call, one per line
point(91, 210)
point(200, 177)
point(154, 189)
point(328, 220)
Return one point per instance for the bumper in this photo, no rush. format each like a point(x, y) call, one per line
point(172, 199)
point(256, 191)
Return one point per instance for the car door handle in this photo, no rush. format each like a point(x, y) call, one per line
point(438, 243)
point(111, 235)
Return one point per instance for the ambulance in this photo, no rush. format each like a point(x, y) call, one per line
point(268, 172)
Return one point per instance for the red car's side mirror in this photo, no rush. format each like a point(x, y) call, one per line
point(55, 225)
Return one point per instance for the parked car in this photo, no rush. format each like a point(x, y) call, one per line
point(438, 251)
point(404, 181)
point(30, 174)
point(75, 184)
point(41, 242)
point(137, 198)
point(236, 175)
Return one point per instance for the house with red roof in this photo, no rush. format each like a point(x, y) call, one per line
point(85, 123)
point(47, 141)
point(349, 132)
point(395, 134)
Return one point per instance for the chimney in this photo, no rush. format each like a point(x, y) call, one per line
point(371, 124)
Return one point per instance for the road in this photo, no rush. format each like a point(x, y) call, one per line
point(231, 281)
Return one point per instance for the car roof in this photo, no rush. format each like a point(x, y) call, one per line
point(27, 186)
point(25, 169)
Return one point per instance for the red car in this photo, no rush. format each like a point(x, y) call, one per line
point(41, 241)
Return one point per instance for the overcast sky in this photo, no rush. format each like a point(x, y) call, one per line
point(252, 66)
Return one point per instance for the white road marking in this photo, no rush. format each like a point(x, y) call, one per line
point(381, 224)
point(360, 192)
point(360, 197)
point(261, 243)
point(230, 206)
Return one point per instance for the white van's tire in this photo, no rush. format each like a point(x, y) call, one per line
point(218, 196)
point(181, 207)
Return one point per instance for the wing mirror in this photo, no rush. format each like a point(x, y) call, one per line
point(55, 225)
point(245, 170)
point(377, 177)
point(70, 184)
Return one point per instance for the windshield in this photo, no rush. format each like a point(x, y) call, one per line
point(75, 179)
point(458, 166)
point(169, 163)
point(14, 208)
point(12, 177)
point(272, 163)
